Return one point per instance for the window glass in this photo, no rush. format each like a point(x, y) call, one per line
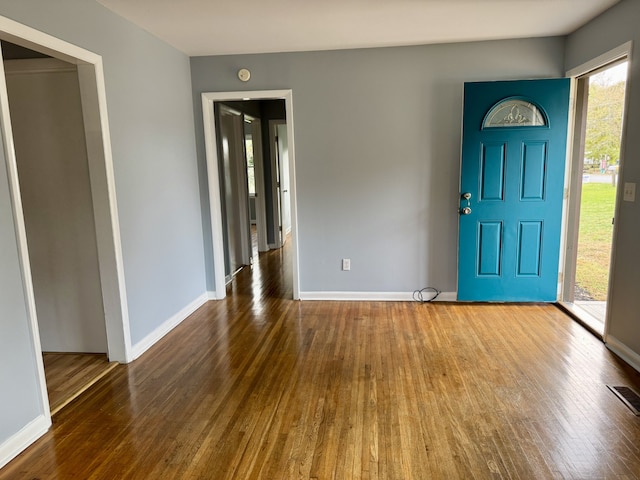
point(250, 166)
point(514, 113)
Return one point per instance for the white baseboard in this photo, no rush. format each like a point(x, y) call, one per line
point(447, 297)
point(624, 352)
point(214, 295)
point(147, 342)
point(15, 444)
point(373, 296)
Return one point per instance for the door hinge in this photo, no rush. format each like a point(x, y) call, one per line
point(560, 277)
point(566, 193)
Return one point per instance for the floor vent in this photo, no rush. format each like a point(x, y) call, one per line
point(628, 396)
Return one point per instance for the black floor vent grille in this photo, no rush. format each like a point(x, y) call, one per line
point(628, 396)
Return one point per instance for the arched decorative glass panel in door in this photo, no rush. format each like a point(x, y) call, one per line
point(514, 112)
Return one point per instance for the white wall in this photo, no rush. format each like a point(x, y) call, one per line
point(50, 145)
point(377, 138)
point(611, 29)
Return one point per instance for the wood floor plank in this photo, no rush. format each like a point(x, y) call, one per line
point(258, 386)
point(69, 375)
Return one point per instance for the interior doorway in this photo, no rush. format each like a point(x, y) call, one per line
point(595, 191)
point(215, 144)
point(110, 335)
point(50, 146)
point(246, 183)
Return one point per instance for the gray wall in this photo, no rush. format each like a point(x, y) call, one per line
point(615, 27)
point(51, 154)
point(377, 138)
point(151, 119)
point(19, 397)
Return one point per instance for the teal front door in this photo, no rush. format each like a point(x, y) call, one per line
point(512, 182)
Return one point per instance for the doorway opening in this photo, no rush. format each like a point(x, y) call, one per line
point(244, 191)
point(49, 143)
point(279, 149)
point(595, 187)
point(63, 75)
point(235, 125)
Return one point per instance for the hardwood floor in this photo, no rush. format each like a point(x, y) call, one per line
point(261, 387)
point(71, 374)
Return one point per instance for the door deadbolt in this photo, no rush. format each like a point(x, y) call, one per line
point(466, 210)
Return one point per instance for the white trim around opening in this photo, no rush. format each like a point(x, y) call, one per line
point(574, 170)
point(208, 100)
point(92, 85)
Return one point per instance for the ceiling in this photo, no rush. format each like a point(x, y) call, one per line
point(218, 27)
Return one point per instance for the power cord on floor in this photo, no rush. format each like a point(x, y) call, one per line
point(418, 295)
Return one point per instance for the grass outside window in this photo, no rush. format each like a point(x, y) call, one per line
point(595, 237)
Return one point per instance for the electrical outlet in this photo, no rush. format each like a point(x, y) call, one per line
point(629, 192)
point(346, 264)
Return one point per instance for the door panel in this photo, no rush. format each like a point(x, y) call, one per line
point(283, 148)
point(492, 173)
point(533, 168)
point(234, 190)
point(529, 249)
point(232, 248)
point(513, 162)
point(490, 242)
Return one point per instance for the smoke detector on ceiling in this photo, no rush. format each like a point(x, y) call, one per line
point(244, 74)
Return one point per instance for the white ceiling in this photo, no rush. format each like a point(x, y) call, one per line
point(217, 27)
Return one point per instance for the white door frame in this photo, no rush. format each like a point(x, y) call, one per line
point(208, 100)
point(94, 106)
point(258, 169)
point(571, 207)
point(276, 190)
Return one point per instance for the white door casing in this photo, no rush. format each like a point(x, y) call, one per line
point(283, 168)
point(208, 100)
point(574, 177)
point(94, 105)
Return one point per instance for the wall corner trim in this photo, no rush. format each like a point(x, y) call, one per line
point(372, 296)
point(624, 352)
point(620, 51)
point(15, 444)
point(147, 342)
